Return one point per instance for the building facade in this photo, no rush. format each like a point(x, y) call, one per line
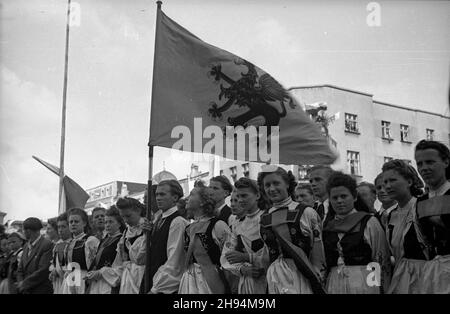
point(107, 194)
point(365, 132)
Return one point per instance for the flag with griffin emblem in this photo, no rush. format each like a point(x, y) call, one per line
point(197, 85)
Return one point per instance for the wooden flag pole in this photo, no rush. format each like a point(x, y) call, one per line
point(150, 196)
point(63, 118)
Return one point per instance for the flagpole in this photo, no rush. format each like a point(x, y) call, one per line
point(63, 118)
point(150, 201)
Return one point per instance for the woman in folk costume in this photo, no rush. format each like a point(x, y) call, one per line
point(204, 240)
point(59, 260)
point(406, 241)
point(102, 278)
point(433, 211)
point(80, 252)
point(387, 203)
point(245, 254)
point(15, 242)
point(236, 218)
point(353, 240)
point(237, 212)
point(129, 263)
point(293, 235)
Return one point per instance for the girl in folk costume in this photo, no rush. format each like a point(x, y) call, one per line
point(59, 260)
point(293, 235)
point(407, 243)
point(237, 216)
point(80, 252)
point(52, 230)
point(245, 254)
point(353, 240)
point(387, 203)
point(129, 263)
point(15, 242)
point(433, 211)
point(237, 212)
point(102, 278)
point(204, 240)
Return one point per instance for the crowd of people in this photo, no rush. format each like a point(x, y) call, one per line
point(277, 237)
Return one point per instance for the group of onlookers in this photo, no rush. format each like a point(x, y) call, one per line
point(330, 235)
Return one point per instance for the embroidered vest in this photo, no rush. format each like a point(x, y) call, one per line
point(436, 228)
point(206, 254)
point(131, 240)
point(355, 250)
point(208, 243)
point(225, 213)
point(158, 245)
point(78, 254)
point(292, 219)
point(106, 253)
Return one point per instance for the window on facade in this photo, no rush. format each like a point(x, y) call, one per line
point(303, 172)
point(387, 159)
point(246, 168)
point(354, 163)
point(430, 135)
point(221, 172)
point(351, 123)
point(386, 130)
point(404, 133)
point(233, 173)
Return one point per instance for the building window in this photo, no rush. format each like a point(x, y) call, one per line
point(430, 135)
point(354, 163)
point(387, 159)
point(246, 168)
point(351, 123)
point(233, 173)
point(221, 172)
point(386, 130)
point(404, 133)
point(303, 172)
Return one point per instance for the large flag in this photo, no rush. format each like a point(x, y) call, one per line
point(73, 194)
point(200, 92)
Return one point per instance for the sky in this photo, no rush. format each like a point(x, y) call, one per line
point(404, 61)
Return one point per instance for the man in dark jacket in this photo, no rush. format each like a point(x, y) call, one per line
point(33, 271)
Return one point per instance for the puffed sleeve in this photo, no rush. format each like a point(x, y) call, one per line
point(90, 249)
point(229, 246)
point(221, 233)
point(111, 275)
point(375, 236)
point(117, 266)
point(311, 225)
point(137, 250)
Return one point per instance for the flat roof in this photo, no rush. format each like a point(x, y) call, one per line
point(117, 181)
point(370, 95)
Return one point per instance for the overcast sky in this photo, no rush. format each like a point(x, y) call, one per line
point(404, 61)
